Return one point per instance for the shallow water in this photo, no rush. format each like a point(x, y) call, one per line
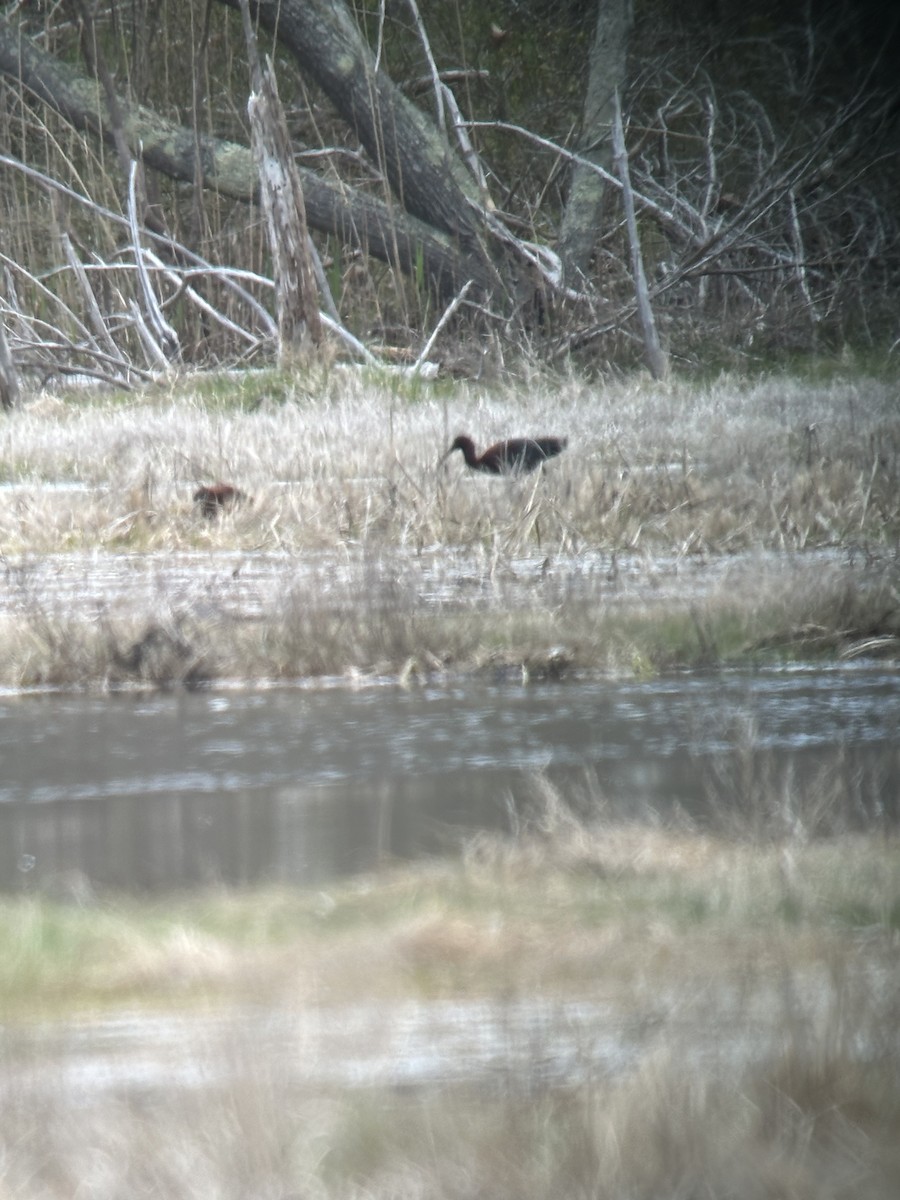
point(530, 1041)
point(302, 785)
point(250, 585)
point(518, 1043)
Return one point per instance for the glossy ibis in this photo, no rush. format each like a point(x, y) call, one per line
point(212, 498)
point(512, 457)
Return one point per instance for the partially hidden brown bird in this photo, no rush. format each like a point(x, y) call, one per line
point(512, 457)
point(214, 498)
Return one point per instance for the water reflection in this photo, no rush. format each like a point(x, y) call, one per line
point(172, 791)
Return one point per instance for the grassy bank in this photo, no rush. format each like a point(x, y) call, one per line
point(750, 987)
point(491, 924)
point(371, 558)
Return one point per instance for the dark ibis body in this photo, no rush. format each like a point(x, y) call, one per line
point(212, 498)
point(512, 457)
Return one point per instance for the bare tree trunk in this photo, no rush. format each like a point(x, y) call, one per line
point(281, 193)
point(606, 75)
point(9, 376)
point(653, 352)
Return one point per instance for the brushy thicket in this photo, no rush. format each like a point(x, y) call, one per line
point(760, 150)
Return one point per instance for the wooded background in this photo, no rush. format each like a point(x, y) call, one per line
point(458, 173)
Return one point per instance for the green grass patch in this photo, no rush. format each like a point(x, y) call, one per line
point(509, 912)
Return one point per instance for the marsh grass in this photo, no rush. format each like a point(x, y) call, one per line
point(490, 921)
point(826, 1130)
point(415, 619)
point(348, 497)
point(759, 1040)
point(346, 457)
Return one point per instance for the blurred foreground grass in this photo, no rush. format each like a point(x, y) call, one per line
point(755, 987)
point(581, 908)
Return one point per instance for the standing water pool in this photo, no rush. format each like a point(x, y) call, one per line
point(149, 793)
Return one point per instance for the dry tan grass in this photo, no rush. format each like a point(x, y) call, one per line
point(720, 466)
point(543, 909)
point(745, 1006)
point(757, 1048)
point(371, 558)
point(825, 1130)
point(370, 620)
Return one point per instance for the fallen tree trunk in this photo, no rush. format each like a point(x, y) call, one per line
point(178, 152)
point(424, 173)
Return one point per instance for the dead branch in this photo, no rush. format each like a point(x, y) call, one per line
point(653, 353)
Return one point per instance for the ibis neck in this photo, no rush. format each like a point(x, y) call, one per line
point(468, 452)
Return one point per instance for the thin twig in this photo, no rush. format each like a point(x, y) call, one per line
point(443, 95)
point(154, 351)
point(49, 295)
point(180, 281)
point(347, 337)
point(95, 316)
point(227, 275)
point(436, 85)
point(663, 215)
